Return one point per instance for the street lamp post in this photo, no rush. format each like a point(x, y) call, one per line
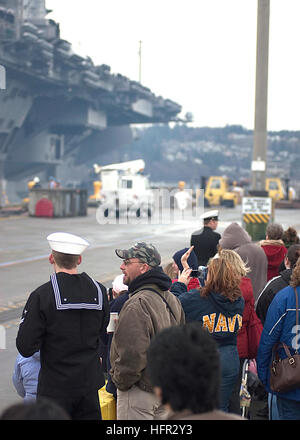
point(256, 208)
point(259, 157)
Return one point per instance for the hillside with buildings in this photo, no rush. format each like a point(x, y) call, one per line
point(188, 153)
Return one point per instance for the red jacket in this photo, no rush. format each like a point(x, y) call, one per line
point(275, 252)
point(242, 337)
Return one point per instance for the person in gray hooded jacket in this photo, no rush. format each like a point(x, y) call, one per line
point(237, 239)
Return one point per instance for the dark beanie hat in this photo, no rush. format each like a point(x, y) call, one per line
point(192, 260)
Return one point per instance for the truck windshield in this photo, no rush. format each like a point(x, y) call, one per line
point(215, 184)
point(126, 183)
point(273, 185)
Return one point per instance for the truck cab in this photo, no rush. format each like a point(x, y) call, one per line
point(124, 189)
point(217, 193)
point(275, 188)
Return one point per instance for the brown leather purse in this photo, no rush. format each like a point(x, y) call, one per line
point(285, 373)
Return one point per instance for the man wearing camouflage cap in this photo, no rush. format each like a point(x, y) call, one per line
point(149, 309)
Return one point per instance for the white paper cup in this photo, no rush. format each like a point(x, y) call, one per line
point(111, 325)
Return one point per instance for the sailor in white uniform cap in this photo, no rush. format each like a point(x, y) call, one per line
point(205, 240)
point(67, 243)
point(213, 214)
point(64, 319)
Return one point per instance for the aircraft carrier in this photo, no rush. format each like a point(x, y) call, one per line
point(58, 111)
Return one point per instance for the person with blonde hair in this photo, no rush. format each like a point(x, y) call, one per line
point(170, 270)
point(218, 306)
point(236, 261)
point(247, 347)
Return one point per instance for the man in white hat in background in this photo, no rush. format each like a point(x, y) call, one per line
point(205, 240)
point(63, 319)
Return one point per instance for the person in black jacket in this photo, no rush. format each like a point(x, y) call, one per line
point(277, 283)
point(64, 319)
point(205, 240)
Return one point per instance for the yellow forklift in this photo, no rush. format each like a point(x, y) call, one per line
point(218, 192)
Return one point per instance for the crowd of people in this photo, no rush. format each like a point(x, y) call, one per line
point(182, 336)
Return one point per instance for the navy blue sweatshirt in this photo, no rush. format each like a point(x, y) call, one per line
point(221, 317)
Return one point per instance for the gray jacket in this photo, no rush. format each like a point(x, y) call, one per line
point(143, 315)
point(237, 239)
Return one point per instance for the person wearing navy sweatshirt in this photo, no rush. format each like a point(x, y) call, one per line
point(218, 306)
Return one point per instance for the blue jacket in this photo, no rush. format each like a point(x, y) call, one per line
point(221, 317)
point(25, 377)
point(279, 326)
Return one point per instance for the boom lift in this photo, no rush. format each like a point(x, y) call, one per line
point(123, 188)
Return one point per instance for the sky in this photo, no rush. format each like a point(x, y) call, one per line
point(198, 53)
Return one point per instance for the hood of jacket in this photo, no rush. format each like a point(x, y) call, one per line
point(286, 275)
point(247, 289)
point(234, 236)
point(274, 250)
point(225, 306)
point(271, 243)
point(153, 276)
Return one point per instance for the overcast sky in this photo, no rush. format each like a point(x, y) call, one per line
point(199, 53)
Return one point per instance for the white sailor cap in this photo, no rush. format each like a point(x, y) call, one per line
point(67, 243)
point(210, 214)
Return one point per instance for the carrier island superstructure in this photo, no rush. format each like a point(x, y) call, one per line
point(59, 112)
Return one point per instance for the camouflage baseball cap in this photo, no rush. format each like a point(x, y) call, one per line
point(145, 252)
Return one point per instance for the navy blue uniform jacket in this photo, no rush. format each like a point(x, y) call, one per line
point(68, 339)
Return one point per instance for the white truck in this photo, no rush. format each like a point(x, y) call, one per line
point(124, 189)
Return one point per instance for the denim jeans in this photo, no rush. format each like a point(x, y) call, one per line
point(234, 404)
point(273, 410)
point(288, 409)
point(230, 365)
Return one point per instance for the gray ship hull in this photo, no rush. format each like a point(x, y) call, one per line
point(59, 112)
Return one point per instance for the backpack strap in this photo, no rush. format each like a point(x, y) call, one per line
point(164, 300)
